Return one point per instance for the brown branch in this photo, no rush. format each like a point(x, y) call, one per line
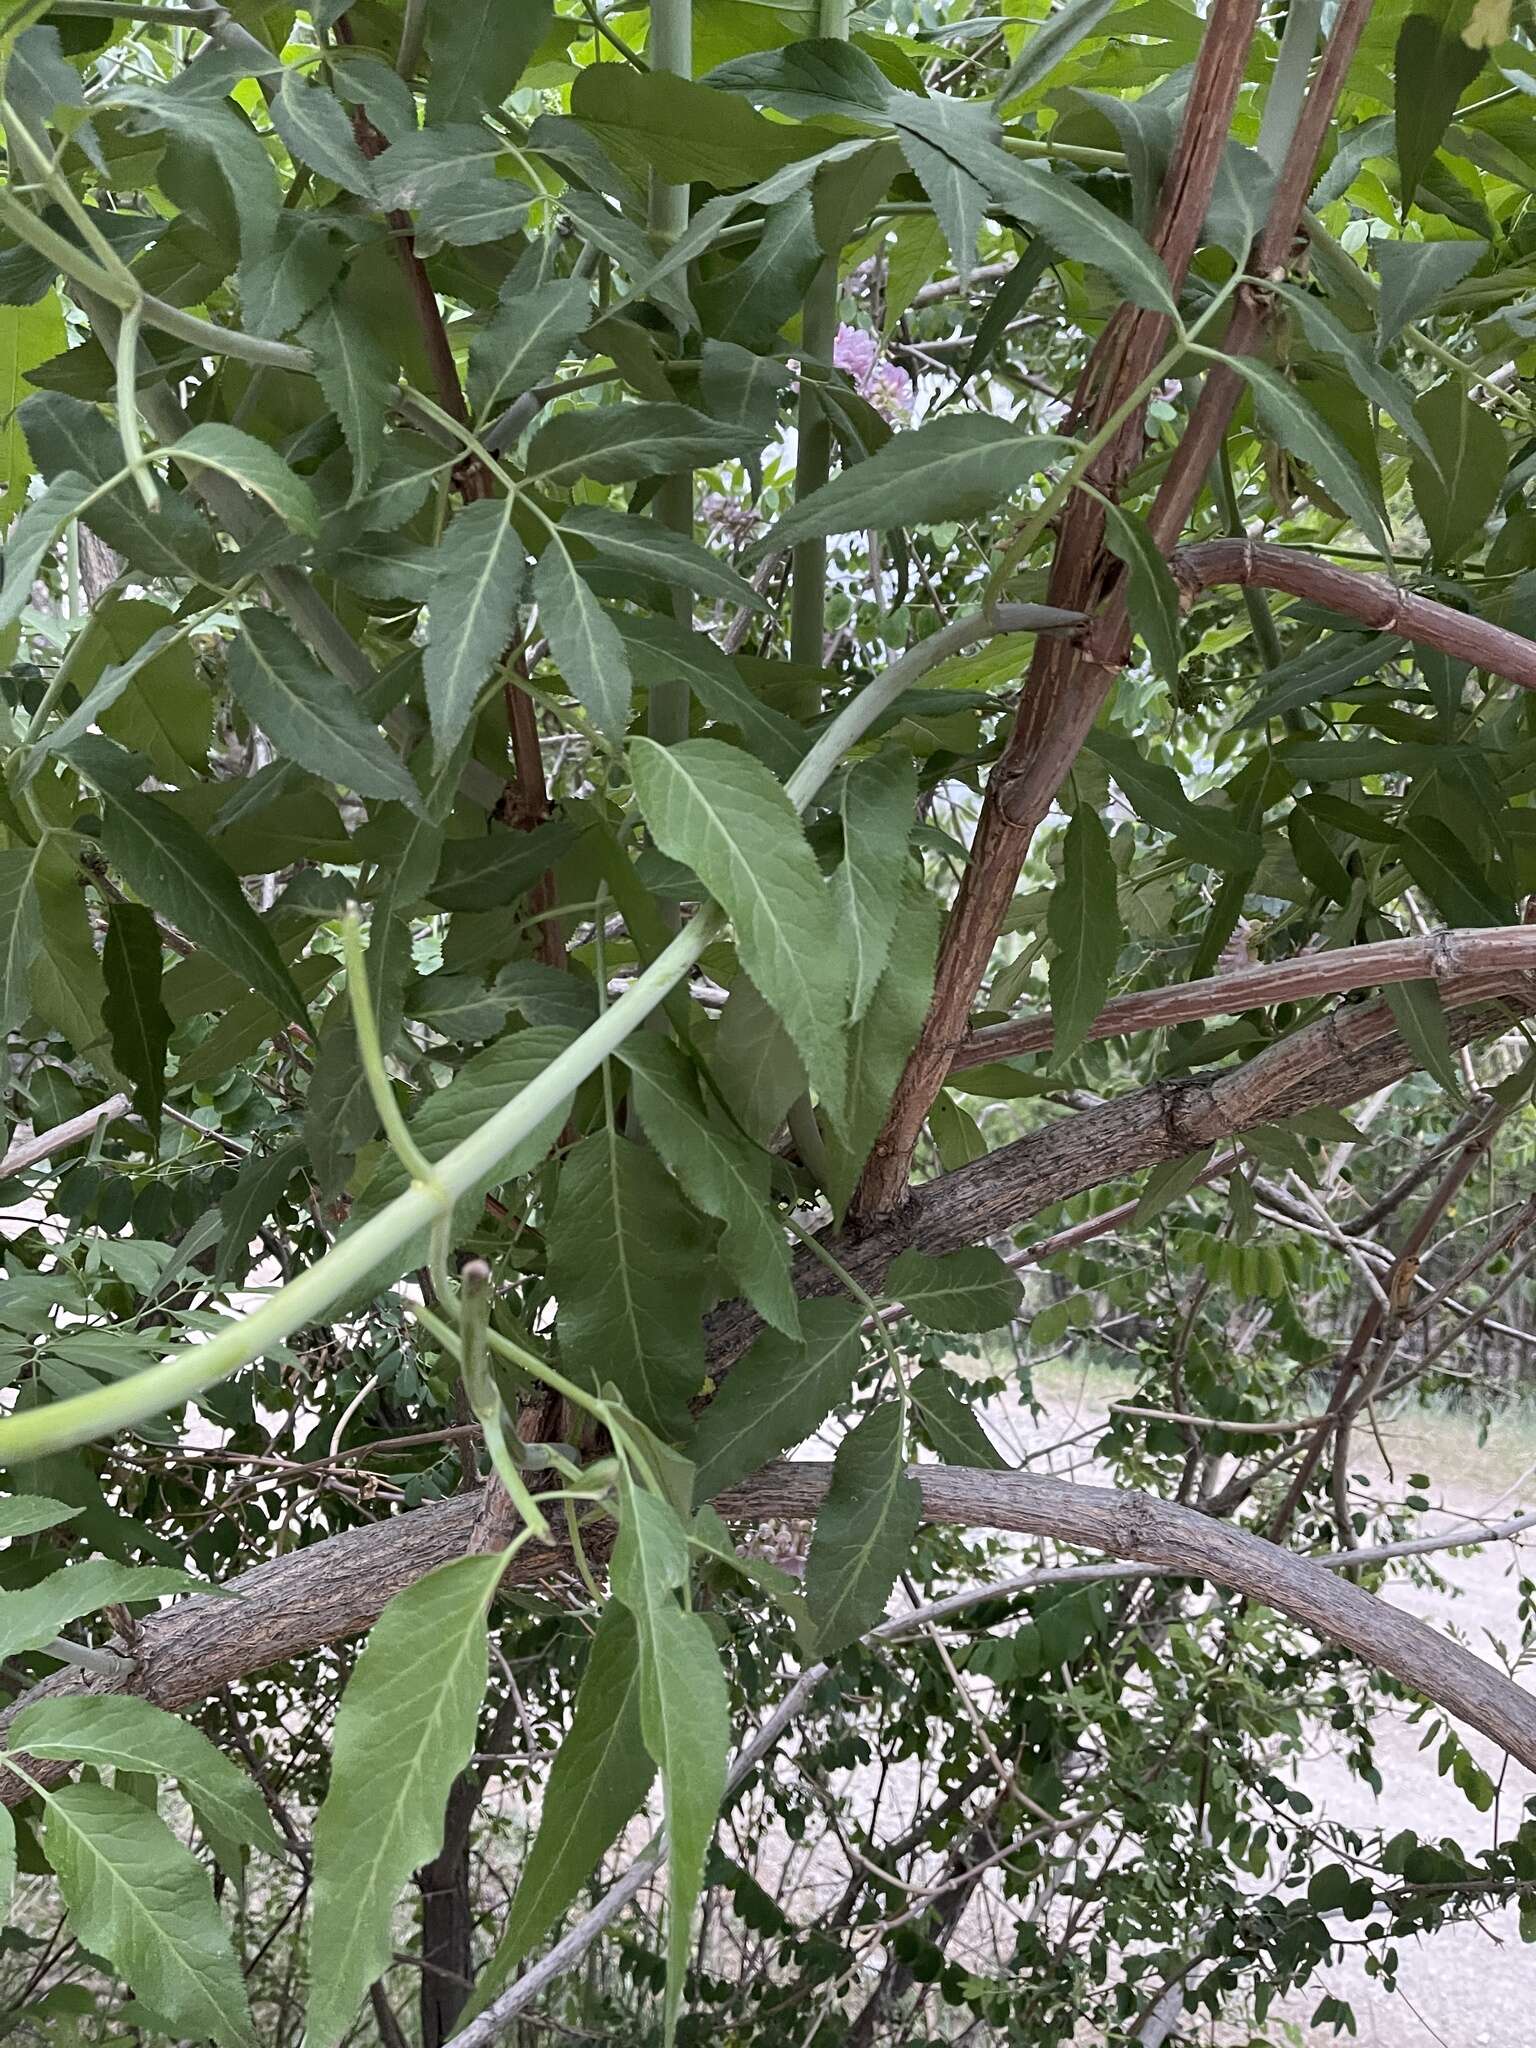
point(1372, 600)
point(1140, 1527)
point(1468, 965)
point(1070, 681)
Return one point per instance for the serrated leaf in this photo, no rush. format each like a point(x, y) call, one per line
point(1078, 226)
point(965, 1290)
point(314, 127)
point(1456, 483)
point(479, 49)
point(247, 1203)
point(583, 640)
point(1057, 36)
point(33, 1616)
point(654, 551)
point(1413, 276)
point(719, 1170)
point(137, 1898)
point(955, 467)
point(1151, 594)
point(287, 274)
point(951, 1423)
point(684, 1710)
point(131, 1735)
point(174, 869)
point(687, 132)
point(662, 650)
point(404, 1730)
point(138, 1026)
point(486, 873)
point(1449, 874)
point(877, 804)
point(356, 376)
point(252, 464)
point(864, 1531)
point(944, 167)
point(722, 813)
point(20, 931)
point(34, 533)
point(29, 336)
point(878, 1044)
point(310, 715)
point(471, 607)
point(1289, 420)
point(1432, 70)
point(614, 444)
point(777, 1394)
point(139, 683)
point(28, 1514)
point(1157, 795)
point(525, 340)
point(446, 177)
point(627, 1265)
point(596, 1785)
point(1083, 922)
point(755, 1061)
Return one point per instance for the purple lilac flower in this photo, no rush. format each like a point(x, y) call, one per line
point(885, 384)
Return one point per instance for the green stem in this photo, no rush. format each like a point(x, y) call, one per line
point(128, 405)
point(371, 1052)
point(849, 1285)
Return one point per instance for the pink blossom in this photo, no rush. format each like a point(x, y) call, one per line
point(885, 384)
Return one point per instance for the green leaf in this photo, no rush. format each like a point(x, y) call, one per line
point(724, 815)
point(32, 1617)
point(20, 932)
point(1083, 921)
point(1413, 276)
point(1151, 594)
point(32, 536)
point(29, 336)
point(404, 1730)
point(1330, 337)
point(479, 50)
point(174, 869)
point(1157, 795)
point(131, 1735)
point(777, 1394)
point(955, 467)
point(684, 1710)
point(7, 1864)
point(878, 1044)
point(357, 377)
point(141, 1901)
point(1168, 1183)
point(247, 1203)
point(1432, 70)
point(686, 132)
point(28, 1514)
point(951, 1423)
point(594, 1788)
point(965, 1290)
point(627, 1264)
point(310, 715)
point(286, 276)
point(471, 606)
point(495, 869)
point(719, 1170)
point(943, 141)
point(446, 178)
point(1079, 227)
point(661, 650)
point(1290, 421)
point(1456, 484)
point(314, 126)
point(614, 444)
point(755, 1061)
point(586, 644)
point(864, 1531)
point(877, 803)
point(1449, 874)
point(136, 1019)
point(1420, 1016)
point(653, 551)
point(525, 340)
point(138, 679)
point(252, 464)
point(1057, 36)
